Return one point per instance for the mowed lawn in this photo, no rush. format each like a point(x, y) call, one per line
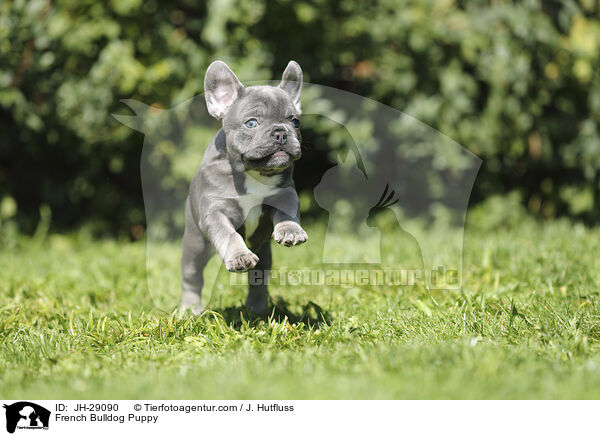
point(77, 321)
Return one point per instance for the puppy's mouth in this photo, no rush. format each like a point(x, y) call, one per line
point(279, 155)
point(272, 163)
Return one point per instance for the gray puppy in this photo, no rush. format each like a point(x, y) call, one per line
point(243, 192)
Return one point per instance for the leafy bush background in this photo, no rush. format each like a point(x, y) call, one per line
point(516, 83)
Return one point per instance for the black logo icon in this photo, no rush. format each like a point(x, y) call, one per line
point(26, 415)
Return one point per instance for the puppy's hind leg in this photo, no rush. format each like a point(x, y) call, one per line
point(258, 278)
point(196, 253)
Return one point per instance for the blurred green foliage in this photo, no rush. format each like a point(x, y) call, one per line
point(517, 83)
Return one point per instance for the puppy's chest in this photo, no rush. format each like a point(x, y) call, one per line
point(257, 189)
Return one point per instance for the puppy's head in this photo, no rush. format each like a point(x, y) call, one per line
point(261, 123)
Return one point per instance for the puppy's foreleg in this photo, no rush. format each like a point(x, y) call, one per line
point(286, 228)
point(229, 243)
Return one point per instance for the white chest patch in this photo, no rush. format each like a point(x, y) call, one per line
point(257, 189)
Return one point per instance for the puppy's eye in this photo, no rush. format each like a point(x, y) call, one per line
point(251, 123)
point(295, 122)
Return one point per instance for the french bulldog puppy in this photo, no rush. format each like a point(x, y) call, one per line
point(243, 193)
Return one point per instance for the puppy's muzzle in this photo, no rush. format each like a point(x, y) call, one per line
point(279, 136)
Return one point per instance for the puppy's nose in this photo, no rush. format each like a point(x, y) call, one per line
point(279, 135)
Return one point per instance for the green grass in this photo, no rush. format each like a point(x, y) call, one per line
point(77, 321)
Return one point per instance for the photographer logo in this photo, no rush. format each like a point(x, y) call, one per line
point(24, 415)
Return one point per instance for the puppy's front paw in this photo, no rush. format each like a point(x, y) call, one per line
point(289, 233)
point(241, 262)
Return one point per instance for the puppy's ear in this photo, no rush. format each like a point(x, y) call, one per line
point(292, 82)
point(221, 89)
